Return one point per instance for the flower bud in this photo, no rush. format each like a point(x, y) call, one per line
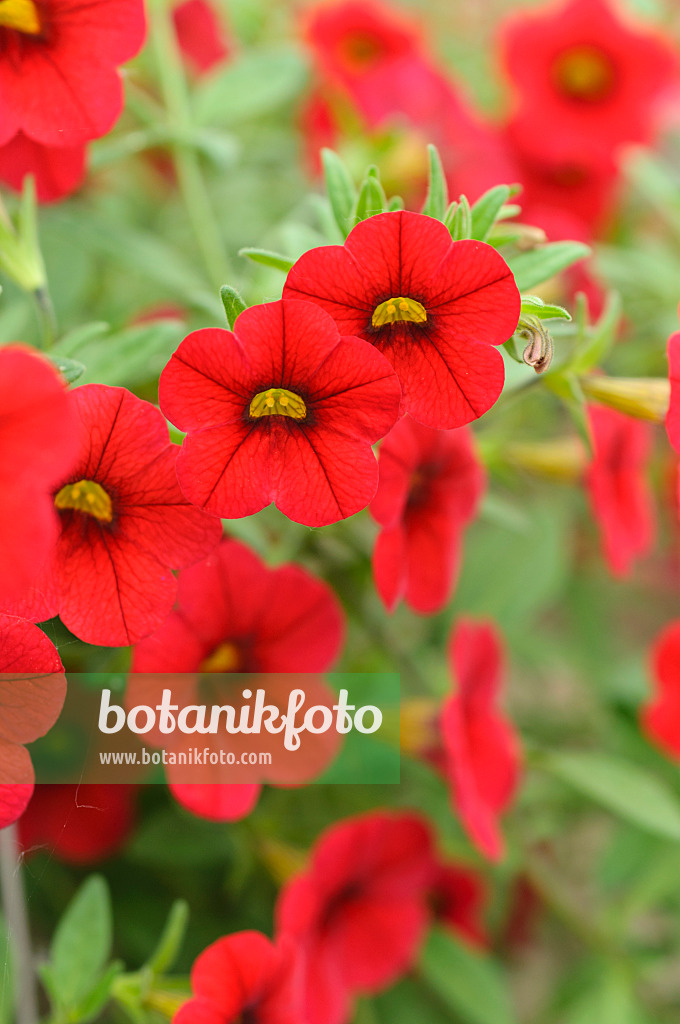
point(644, 398)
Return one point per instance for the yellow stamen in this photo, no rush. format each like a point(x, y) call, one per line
point(278, 402)
point(21, 15)
point(225, 658)
point(584, 73)
point(86, 496)
point(397, 310)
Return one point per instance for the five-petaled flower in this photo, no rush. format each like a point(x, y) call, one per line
point(430, 486)
point(359, 911)
point(660, 717)
point(434, 307)
point(283, 410)
point(124, 525)
point(243, 977)
point(481, 752)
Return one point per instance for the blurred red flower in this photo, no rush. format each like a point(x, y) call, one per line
point(32, 692)
point(585, 80)
point(359, 912)
point(431, 483)
point(284, 410)
point(673, 414)
point(124, 525)
point(78, 824)
point(38, 444)
point(620, 496)
point(235, 614)
point(58, 170)
point(434, 307)
point(201, 35)
point(242, 977)
point(481, 749)
point(458, 895)
point(660, 717)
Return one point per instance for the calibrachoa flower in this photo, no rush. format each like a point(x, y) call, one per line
point(124, 525)
point(78, 824)
point(234, 614)
point(673, 415)
point(430, 486)
point(32, 692)
point(481, 749)
point(458, 896)
point(58, 170)
point(660, 717)
point(243, 977)
point(283, 410)
point(200, 35)
point(586, 75)
point(38, 444)
point(359, 912)
point(620, 495)
point(434, 307)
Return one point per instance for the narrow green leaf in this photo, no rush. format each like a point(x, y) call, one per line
point(254, 84)
point(466, 981)
point(544, 310)
point(540, 264)
point(600, 338)
point(623, 788)
point(437, 198)
point(486, 210)
point(449, 215)
point(94, 1002)
point(69, 344)
point(371, 199)
point(164, 956)
point(267, 258)
point(81, 943)
point(461, 220)
point(342, 193)
point(70, 369)
point(395, 203)
point(233, 304)
point(565, 385)
point(510, 347)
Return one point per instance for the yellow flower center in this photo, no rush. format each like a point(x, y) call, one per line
point(584, 73)
point(86, 496)
point(21, 15)
point(225, 658)
point(278, 402)
point(400, 309)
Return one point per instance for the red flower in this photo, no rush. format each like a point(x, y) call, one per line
point(38, 444)
point(673, 415)
point(78, 824)
point(586, 75)
point(433, 306)
point(58, 78)
point(620, 497)
point(234, 614)
point(242, 977)
point(430, 487)
point(124, 525)
point(58, 170)
point(481, 749)
point(32, 692)
point(660, 718)
point(284, 410)
point(359, 912)
point(200, 35)
point(458, 895)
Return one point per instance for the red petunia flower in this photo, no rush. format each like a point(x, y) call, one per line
point(124, 525)
point(283, 410)
point(660, 717)
point(359, 912)
point(434, 307)
point(620, 496)
point(234, 614)
point(59, 81)
point(673, 415)
point(430, 486)
point(200, 35)
point(587, 76)
point(458, 895)
point(38, 444)
point(243, 977)
point(78, 824)
point(481, 748)
point(58, 170)
point(32, 692)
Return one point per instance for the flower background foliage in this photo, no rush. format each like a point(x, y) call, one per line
point(345, 335)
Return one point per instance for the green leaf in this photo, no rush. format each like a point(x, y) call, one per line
point(545, 311)
point(395, 203)
point(69, 344)
point(609, 1001)
point(132, 356)
point(94, 1002)
point(258, 83)
point(81, 943)
point(469, 983)
point(340, 188)
point(70, 369)
point(371, 199)
point(164, 956)
point(437, 198)
point(267, 258)
point(233, 304)
point(623, 788)
point(485, 211)
point(600, 338)
point(565, 385)
point(540, 264)
point(460, 221)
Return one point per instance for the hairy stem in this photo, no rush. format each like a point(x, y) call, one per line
point(14, 909)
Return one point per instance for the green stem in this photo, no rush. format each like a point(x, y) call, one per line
point(46, 316)
point(192, 185)
point(14, 908)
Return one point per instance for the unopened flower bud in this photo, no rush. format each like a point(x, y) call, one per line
point(645, 398)
point(539, 350)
